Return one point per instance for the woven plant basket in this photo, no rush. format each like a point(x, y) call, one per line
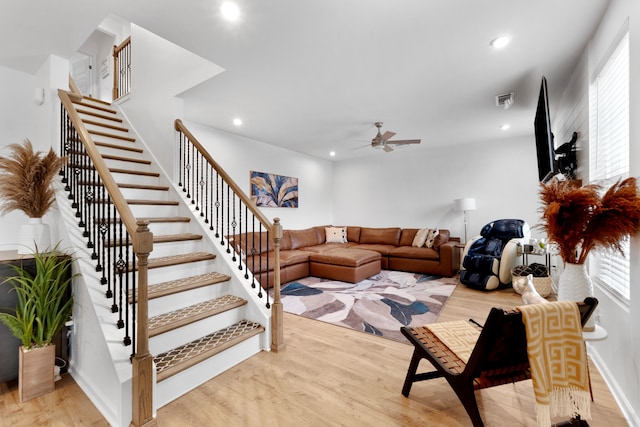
point(541, 279)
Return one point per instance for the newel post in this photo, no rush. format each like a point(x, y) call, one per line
point(142, 363)
point(277, 312)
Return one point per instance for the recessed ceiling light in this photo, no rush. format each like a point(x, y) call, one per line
point(237, 122)
point(500, 42)
point(332, 153)
point(230, 11)
point(505, 126)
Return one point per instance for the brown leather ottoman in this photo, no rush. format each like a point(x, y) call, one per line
point(345, 265)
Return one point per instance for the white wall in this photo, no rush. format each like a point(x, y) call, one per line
point(21, 118)
point(618, 357)
point(239, 155)
point(416, 188)
point(160, 71)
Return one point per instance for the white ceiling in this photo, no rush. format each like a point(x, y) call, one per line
point(313, 76)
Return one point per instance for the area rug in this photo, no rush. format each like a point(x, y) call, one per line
point(379, 305)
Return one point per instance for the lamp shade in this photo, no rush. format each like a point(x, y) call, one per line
point(466, 204)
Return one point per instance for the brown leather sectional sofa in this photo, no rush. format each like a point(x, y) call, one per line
point(306, 253)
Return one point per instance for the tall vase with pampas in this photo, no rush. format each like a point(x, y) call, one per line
point(579, 219)
point(26, 178)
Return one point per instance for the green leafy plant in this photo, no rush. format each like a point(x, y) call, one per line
point(25, 180)
point(43, 304)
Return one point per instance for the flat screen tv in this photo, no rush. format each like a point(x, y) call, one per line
point(547, 167)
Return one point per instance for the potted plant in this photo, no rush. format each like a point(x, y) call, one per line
point(580, 219)
point(26, 178)
point(44, 306)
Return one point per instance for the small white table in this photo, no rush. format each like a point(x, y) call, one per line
point(599, 334)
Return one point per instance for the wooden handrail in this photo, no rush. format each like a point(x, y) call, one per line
point(179, 126)
point(142, 241)
point(122, 45)
point(110, 184)
point(116, 93)
point(274, 230)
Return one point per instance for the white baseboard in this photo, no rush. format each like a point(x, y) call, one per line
point(625, 406)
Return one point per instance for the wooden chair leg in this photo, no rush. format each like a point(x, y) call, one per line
point(411, 373)
point(467, 396)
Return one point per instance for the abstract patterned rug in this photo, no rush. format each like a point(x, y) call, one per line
point(379, 305)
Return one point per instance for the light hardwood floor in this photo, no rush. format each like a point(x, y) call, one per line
point(326, 376)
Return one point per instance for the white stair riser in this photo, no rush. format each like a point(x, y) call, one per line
point(173, 248)
point(174, 387)
point(182, 299)
point(163, 228)
point(177, 337)
point(141, 211)
point(135, 179)
point(145, 194)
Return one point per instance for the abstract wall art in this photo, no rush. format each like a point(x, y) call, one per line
point(275, 191)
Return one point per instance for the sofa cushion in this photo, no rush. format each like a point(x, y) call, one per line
point(420, 238)
point(293, 257)
point(414, 253)
point(382, 249)
point(407, 236)
point(336, 234)
point(303, 238)
point(353, 234)
point(345, 257)
point(441, 239)
point(380, 236)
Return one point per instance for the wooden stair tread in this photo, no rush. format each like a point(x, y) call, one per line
point(97, 107)
point(118, 147)
point(153, 202)
point(99, 101)
point(184, 284)
point(143, 186)
point(111, 135)
point(190, 354)
point(101, 116)
point(106, 125)
point(113, 157)
point(166, 322)
point(126, 159)
point(157, 219)
point(168, 261)
point(130, 186)
point(133, 172)
point(167, 238)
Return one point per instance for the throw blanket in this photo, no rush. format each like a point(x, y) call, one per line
point(459, 336)
point(558, 360)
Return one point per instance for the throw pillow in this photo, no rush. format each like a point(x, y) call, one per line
point(441, 238)
point(421, 237)
point(336, 234)
point(431, 237)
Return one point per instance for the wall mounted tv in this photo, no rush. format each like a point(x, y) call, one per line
point(547, 167)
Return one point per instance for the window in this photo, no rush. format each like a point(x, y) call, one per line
point(609, 153)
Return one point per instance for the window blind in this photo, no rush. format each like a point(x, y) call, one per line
point(609, 154)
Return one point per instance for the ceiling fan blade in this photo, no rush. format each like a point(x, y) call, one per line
point(387, 135)
point(387, 148)
point(404, 141)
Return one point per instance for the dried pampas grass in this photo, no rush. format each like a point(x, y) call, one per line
point(579, 219)
point(26, 179)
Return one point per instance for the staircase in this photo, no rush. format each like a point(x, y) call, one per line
point(201, 319)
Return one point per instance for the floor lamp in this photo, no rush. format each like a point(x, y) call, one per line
point(464, 205)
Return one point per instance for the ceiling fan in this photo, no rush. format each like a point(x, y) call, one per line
point(382, 140)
